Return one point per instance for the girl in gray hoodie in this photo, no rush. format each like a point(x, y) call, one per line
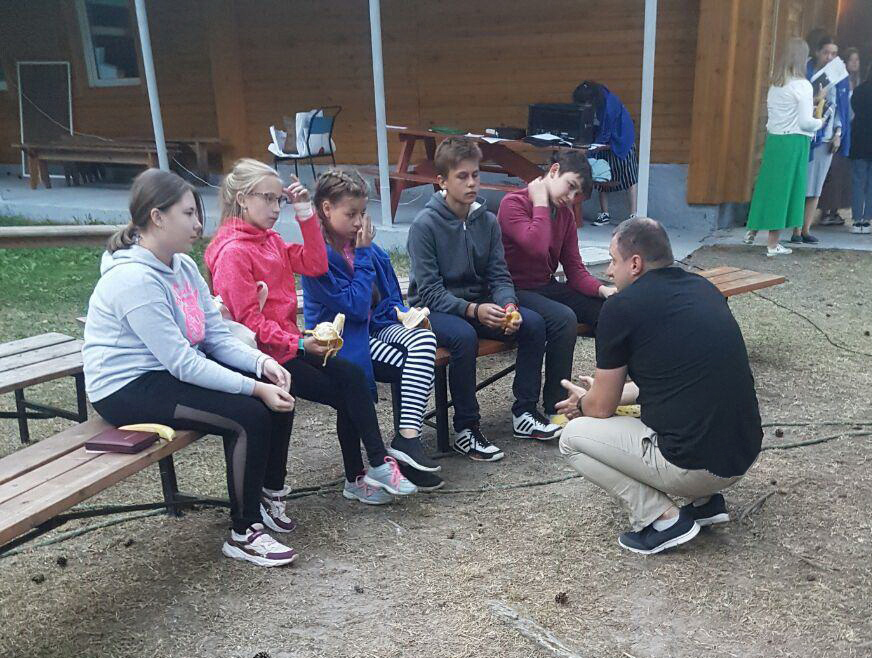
point(157, 351)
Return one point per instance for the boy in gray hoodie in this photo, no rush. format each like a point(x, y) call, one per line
point(459, 272)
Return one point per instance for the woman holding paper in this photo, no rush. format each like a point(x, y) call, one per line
point(389, 341)
point(829, 138)
point(779, 195)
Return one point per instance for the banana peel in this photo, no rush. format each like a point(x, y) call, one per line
point(511, 318)
point(163, 431)
point(329, 334)
point(414, 317)
point(632, 410)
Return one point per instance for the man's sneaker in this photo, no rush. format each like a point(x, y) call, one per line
point(411, 452)
point(472, 443)
point(829, 219)
point(648, 541)
point(558, 419)
point(533, 425)
point(714, 511)
point(360, 490)
point(778, 250)
point(866, 228)
point(272, 510)
point(602, 219)
point(424, 480)
point(257, 547)
point(388, 477)
point(750, 236)
point(857, 227)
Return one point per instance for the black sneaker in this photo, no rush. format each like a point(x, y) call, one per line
point(796, 239)
point(411, 452)
point(714, 511)
point(809, 239)
point(602, 219)
point(648, 541)
point(533, 425)
point(422, 479)
point(472, 443)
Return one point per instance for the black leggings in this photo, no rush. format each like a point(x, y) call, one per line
point(255, 438)
point(343, 386)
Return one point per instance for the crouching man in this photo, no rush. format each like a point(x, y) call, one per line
point(699, 430)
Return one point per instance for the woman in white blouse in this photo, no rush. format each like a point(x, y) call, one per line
point(779, 195)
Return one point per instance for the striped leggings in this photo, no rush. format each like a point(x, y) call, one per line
point(406, 356)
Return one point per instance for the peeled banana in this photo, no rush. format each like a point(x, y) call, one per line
point(163, 431)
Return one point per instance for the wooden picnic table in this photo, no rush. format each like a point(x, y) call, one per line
point(35, 360)
point(735, 281)
point(502, 157)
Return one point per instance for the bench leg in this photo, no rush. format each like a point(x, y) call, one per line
point(169, 485)
point(21, 410)
point(395, 406)
point(441, 391)
point(81, 400)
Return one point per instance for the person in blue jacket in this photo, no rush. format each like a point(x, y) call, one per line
point(361, 283)
point(616, 130)
point(834, 137)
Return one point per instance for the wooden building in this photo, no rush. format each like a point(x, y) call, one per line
point(231, 68)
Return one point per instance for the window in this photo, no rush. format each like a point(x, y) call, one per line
point(2, 79)
point(109, 42)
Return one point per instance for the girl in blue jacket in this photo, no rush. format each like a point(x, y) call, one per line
point(362, 284)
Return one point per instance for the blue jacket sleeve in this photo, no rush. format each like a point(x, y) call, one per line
point(340, 295)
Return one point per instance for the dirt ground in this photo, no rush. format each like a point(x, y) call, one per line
point(418, 577)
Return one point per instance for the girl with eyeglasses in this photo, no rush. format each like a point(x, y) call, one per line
point(245, 254)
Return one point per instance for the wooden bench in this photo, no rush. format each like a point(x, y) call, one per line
point(62, 235)
point(735, 281)
point(69, 150)
point(40, 482)
point(35, 360)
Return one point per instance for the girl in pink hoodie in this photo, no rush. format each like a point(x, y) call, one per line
point(246, 251)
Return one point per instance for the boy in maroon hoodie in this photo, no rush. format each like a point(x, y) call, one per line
point(539, 234)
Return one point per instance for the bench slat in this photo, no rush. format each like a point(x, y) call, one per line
point(32, 343)
point(45, 473)
point(731, 276)
point(24, 513)
point(41, 372)
point(39, 355)
point(750, 283)
point(33, 456)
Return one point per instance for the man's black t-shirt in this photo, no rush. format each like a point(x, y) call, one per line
point(683, 348)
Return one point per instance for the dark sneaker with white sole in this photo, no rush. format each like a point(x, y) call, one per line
point(533, 425)
point(257, 547)
point(425, 481)
point(472, 443)
point(411, 452)
point(602, 219)
point(714, 511)
point(648, 541)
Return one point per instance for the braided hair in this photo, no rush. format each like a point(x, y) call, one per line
point(332, 186)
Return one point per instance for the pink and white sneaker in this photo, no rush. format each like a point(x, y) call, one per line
point(388, 477)
point(273, 512)
point(257, 547)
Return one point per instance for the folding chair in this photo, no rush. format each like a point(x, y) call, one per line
point(321, 124)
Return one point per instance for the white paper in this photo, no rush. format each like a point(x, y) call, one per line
point(835, 72)
point(396, 127)
point(473, 135)
point(548, 137)
point(494, 140)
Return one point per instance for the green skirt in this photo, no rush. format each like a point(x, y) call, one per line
point(779, 195)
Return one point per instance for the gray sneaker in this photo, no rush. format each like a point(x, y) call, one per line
point(388, 477)
point(360, 490)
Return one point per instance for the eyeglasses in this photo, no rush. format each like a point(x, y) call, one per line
point(271, 198)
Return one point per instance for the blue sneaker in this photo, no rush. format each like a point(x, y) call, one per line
point(360, 490)
point(648, 541)
point(714, 511)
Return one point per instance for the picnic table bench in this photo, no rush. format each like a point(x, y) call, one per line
point(40, 482)
point(35, 360)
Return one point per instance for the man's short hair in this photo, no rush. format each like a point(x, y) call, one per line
point(454, 150)
point(647, 238)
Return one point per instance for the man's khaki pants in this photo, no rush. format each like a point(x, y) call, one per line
point(620, 455)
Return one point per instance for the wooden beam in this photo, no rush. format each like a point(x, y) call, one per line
point(227, 85)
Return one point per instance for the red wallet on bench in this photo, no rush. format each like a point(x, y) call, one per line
point(116, 440)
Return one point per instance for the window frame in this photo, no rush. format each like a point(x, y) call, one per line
point(94, 79)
